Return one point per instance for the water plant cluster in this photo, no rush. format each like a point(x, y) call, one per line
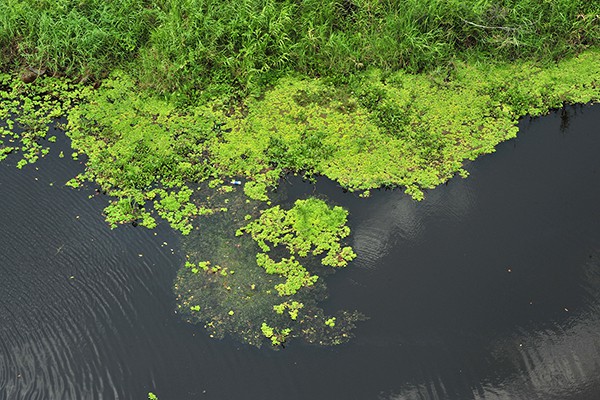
point(224, 287)
point(27, 110)
point(310, 227)
point(391, 130)
point(191, 112)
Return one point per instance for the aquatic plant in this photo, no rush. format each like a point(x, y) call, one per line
point(277, 337)
point(379, 129)
point(26, 112)
point(223, 287)
point(175, 207)
point(293, 308)
point(309, 227)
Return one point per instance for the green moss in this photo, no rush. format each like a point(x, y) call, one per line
point(394, 129)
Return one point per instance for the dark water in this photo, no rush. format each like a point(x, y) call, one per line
point(488, 289)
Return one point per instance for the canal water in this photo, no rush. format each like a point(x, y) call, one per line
point(487, 289)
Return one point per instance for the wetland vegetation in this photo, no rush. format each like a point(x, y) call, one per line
point(265, 279)
point(169, 102)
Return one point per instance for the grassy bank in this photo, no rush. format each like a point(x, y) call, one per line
point(200, 47)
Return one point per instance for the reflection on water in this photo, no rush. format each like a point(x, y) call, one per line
point(395, 219)
point(390, 219)
point(488, 289)
point(561, 359)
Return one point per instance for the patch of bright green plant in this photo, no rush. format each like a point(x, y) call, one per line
point(234, 293)
point(395, 129)
point(293, 308)
point(134, 143)
point(176, 208)
point(276, 336)
point(309, 227)
point(379, 129)
point(26, 111)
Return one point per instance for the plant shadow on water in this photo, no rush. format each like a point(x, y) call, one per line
point(223, 287)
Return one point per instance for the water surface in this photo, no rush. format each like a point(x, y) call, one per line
point(487, 289)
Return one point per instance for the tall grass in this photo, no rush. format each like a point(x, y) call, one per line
point(189, 45)
point(84, 37)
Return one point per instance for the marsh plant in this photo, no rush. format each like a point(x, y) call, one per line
point(189, 48)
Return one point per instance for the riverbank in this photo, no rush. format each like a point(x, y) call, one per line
point(356, 91)
point(201, 48)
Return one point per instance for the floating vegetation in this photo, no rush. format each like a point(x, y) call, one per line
point(379, 129)
point(26, 111)
point(223, 285)
point(310, 227)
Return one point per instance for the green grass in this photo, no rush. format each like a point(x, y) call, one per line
point(75, 38)
point(198, 48)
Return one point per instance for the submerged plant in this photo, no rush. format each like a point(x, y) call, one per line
point(223, 284)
